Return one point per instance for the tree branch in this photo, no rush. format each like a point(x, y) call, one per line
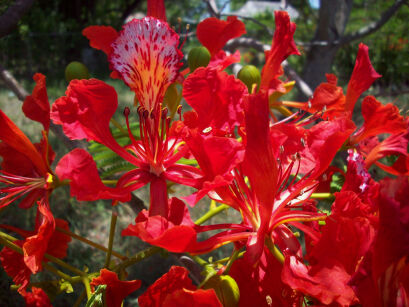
point(9, 20)
point(212, 8)
point(269, 31)
point(374, 26)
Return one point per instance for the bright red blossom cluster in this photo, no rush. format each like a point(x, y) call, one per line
point(268, 170)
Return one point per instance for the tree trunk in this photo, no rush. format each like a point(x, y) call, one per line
point(333, 18)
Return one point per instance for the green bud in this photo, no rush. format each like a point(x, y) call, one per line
point(250, 75)
point(198, 57)
point(226, 289)
point(76, 70)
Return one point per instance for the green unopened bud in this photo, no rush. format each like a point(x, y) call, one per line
point(250, 75)
point(226, 289)
point(172, 98)
point(76, 70)
point(198, 57)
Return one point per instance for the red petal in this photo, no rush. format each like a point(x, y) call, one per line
point(156, 8)
point(13, 264)
point(379, 119)
point(85, 183)
point(86, 111)
point(176, 279)
point(36, 246)
point(58, 243)
point(16, 139)
point(216, 97)
point(197, 298)
point(260, 164)
point(116, 289)
point(15, 162)
point(36, 105)
point(328, 284)
point(147, 57)
point(164, 233)
point(36, 298)
point(283, 45)
point(362, 77)
point(214, 33)
point(221, 60)
point(101, 37)
point(261, 284)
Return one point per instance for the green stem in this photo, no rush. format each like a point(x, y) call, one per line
point(93, 244)
point(322, 195)
point(138, 257)
point(87, 286)
point(209, 214)
point(109, 181)
point(199, 260)
point(114, 217)
point(233, 258)
point(274, 250)
point(240, 255)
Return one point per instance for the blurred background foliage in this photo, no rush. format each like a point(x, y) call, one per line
point(49, 37)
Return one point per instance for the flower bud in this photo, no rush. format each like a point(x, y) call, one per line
point(249, 75)
point(198, 57)
point(76, 70)
point(226, 289)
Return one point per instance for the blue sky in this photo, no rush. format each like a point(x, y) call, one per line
point(315, 3)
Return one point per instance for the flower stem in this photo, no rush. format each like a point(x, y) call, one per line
point(114, 217)
point(85, 281)
point(233, 258)
point(93, 244)
point(209, 214)
point(138, 257)
point(274, 250)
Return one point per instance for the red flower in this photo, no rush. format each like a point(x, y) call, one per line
point(35, 244)
point(27, 174)
point(176, 289)
point(116, 289)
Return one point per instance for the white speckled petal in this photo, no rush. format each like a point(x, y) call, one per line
point(147, 57)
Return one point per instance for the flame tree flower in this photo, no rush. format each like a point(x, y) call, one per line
point(146, 56)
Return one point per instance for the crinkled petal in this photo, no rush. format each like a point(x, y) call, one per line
point(101, 37)
point(378, 119)
point(362, 77)
point(116, 289)
point(216, 97)
point(283, 45)
point(85, 183)
point(147, 57)
point(85, 113)
point(214, 33)
point(36, 106)
point(37, 298)
point(13, 264)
